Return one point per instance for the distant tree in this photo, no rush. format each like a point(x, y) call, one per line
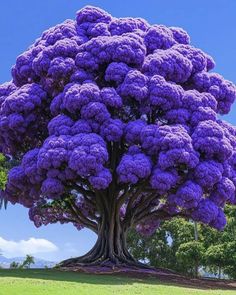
point(14, 265)
point(191, 255)
point(3, 171)
point(230, 255)
point(221, 246)
point(28, 261)
point(153, 249)
point(160, 249)
point(216, 258)
point(6, 163)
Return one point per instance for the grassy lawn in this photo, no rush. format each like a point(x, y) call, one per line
point(51, 282)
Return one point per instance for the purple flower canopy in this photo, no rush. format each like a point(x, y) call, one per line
point(104, 102)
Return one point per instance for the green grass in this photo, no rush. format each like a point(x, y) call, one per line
point(52, 282)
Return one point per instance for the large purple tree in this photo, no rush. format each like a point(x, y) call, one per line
point(113, 124)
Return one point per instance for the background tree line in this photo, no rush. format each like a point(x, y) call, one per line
point(29, 259)
point(185, 246)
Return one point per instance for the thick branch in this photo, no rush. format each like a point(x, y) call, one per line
point(132, 210)
point(84, 192)
point(127, 193)
point(91, 202)
point(134, 196)
point(81, 218)
point(144, 207)
point(159, 214)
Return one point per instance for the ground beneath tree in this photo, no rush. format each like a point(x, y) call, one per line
point(163, 275)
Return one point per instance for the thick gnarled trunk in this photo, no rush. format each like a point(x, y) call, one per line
point(110, 248)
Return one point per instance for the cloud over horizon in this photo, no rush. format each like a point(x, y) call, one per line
point(11, 248)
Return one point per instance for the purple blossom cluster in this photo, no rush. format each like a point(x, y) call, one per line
point(148, 226)
point(104, 101)
point(44, 215)
point(21, 117)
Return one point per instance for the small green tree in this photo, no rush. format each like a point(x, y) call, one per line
point(28, 261)
point(190, 255)
point(3, 171)
point(14, 265)
point(155, 249)
point(216, 258)
point(230, 256)
point(5, 165)
point(160, 249)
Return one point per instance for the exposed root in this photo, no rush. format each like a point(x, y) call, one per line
point(110, 262)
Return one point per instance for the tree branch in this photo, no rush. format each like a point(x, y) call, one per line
point(130, 210)
point(134, 195)
point(123, 197)
point(144, 207)
point(81, 218)
point(85, 192)
point(160, 214)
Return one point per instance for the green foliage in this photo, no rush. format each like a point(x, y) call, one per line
point(216, 257)
point(6, 163)
point(190, 256)
point(165, 248)
point(14, 265)
point(230, 266)
point(4, 167)
point(27, 262)
point(160, 249)
point(3, 171)
point(24, 265)
point(221, 246)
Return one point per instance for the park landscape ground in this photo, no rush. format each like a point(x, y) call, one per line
point(162, 153)
point(120, 129)
point(55, 282)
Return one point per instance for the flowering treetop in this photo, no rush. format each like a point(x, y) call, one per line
point(116, 113)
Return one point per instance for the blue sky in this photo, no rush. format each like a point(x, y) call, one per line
point(211, 25)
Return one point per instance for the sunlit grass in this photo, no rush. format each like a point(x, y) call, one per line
point(52, 282)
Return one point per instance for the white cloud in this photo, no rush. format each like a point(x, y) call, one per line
point(21, 248)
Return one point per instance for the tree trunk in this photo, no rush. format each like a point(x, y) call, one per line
point(110, 248)
point(195, 231)
point(219, 272)
point(196, 269)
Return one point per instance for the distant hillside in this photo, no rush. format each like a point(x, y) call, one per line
point(39, 263)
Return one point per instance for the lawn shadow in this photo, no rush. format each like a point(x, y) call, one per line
point(117, 279)
point(57, 275)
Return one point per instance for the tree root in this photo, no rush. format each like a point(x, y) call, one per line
point(102, 261)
